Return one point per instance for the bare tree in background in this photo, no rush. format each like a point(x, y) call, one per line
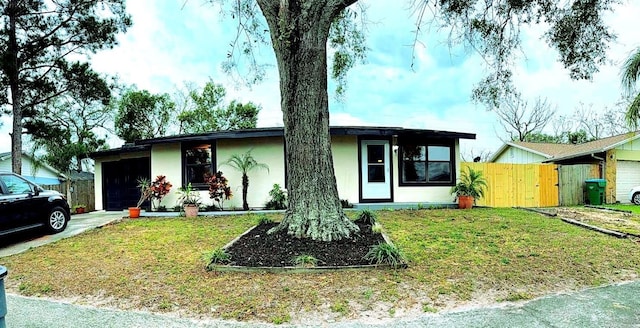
point(519, 120)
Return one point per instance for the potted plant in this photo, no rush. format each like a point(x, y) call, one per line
point(145, 193)
point(190, 200)
point(79, 209)
point(470, 187)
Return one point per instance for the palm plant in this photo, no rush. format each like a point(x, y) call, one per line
point(471, 183)
point(630, 76)
point(244, 163)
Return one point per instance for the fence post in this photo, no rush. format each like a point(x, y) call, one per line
point(3, 298)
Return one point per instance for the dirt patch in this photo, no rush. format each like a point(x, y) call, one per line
point(257, 248)
point(612, 220)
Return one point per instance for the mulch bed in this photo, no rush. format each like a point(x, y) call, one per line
point(259, 249)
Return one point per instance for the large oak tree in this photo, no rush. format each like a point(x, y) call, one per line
point(299, 31)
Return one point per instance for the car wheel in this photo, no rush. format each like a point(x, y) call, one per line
point(636, 198)
point(57, 220)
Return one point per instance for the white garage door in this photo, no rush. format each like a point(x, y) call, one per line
point(628, 176)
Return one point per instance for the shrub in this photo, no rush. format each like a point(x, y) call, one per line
point(345, 203)
point(376, 228)
point(305, 260)
point(159, 188)
point(385, 253)
point(219, 190)
point(367, 217)
point(263, 219)
point(278, 199)
point(218, 256)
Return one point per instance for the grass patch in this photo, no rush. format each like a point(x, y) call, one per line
point(635, 209)
point(159, 264)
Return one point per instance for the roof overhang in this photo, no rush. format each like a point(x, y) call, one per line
point(127, 148)
point(279, 132)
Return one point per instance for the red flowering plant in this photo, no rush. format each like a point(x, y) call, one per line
point(160, 187)
point(219, 191)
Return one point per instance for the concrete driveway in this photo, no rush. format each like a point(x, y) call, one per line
point(78, 224)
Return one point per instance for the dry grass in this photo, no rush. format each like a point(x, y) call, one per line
point(456, 258)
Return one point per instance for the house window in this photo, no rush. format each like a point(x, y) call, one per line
point(426, 164)
point(198, 160)
point(375, 163)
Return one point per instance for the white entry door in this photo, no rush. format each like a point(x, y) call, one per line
point(375, 170)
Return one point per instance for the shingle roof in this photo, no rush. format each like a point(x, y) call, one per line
point(556, 152)
point(550, 149)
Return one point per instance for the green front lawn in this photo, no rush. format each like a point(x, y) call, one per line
point(456, 257)
point(635, 209)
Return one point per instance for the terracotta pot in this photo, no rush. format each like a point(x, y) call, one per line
point(191, 211)
point(134, 212)
point(79, 210)
point(465, 202)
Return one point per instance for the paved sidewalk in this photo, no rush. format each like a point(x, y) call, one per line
point(611, 306)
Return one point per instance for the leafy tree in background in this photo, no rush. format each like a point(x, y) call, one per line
point(300, 30)
point(36, 38)
point(143, 115)
point(204, 111)
point(66, 126)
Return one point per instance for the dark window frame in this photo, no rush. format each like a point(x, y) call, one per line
point(427, 143)
point(189, 145)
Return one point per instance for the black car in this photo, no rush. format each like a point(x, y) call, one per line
point(25, 205)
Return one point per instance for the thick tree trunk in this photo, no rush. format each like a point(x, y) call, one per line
point(245, 188)
point(299, 34)
point(11, 68)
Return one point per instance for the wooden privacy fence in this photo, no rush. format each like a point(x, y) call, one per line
point(572, 184)
point(522, 185)
point(80, 192)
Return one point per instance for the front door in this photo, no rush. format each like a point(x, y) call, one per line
point(375, 170)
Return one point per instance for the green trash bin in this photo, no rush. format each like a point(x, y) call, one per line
point(595, 191)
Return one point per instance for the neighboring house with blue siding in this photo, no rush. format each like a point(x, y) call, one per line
point(39, 173)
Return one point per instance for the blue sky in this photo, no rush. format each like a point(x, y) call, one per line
point(170, 44)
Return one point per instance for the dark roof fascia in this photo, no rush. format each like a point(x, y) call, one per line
point(234, 134)
point(118, 151)
point(279, 132)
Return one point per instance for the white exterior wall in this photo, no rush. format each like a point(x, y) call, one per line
point(345, 164)
point(427, 194)
point(269, 151)
point(166, 159)
point(519, 156)
point(97, 177)
point(28, 169)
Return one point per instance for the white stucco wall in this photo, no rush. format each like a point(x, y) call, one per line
point(269, 151)
point(166, 159)
point(518, 156)
point(345, 164)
